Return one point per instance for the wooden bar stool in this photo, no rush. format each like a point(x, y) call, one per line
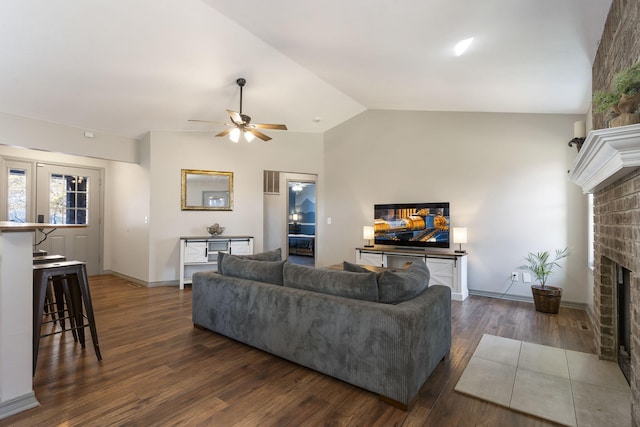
point(73, 276)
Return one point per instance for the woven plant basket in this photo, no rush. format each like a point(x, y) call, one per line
point(547, 299)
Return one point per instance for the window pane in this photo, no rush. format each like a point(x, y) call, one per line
point(68, 199)
point(82, 184)
point(71, 182)
point(17, 195)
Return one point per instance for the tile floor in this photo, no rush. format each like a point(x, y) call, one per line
point(563, 386)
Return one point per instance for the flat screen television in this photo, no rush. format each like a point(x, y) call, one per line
point(419, 225)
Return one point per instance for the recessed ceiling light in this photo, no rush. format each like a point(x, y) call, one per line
point(462, 46)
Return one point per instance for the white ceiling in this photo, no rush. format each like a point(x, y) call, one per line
point(128, 66)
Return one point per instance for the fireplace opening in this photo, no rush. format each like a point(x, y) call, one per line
point(623, 279)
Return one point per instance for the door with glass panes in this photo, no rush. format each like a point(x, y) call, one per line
point(70, 195)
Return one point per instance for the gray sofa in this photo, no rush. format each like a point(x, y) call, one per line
point(331, 320)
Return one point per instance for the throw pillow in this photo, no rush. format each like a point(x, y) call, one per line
point(349, 266)
point(345, 284)
point(274, 255)
point(403, 285)
point(261, 271)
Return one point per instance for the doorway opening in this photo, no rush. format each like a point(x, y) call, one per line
point(290, 206)
point(301, 222)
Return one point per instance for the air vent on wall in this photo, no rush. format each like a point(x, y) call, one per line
point(271, 182)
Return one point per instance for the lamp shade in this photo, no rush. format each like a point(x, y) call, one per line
point(368, 233)
point(459, 235)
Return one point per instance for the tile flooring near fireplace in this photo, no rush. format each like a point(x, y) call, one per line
point(563, 386)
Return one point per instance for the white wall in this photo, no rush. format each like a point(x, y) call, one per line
point(40, 135)
point(128, 216)
point(172, 151)
point(505, 176)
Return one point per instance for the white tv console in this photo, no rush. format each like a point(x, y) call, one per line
point(200, 253)
point(447, 268)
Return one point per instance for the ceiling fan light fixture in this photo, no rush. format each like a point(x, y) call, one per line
point(462, 46)
point(241, 124)
point(234, 135)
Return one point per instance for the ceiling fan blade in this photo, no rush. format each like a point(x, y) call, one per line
point(213, 123)
point(206, 121)
point(259, 134)
point(235, 117)
point(225, 132)
point(269, 126)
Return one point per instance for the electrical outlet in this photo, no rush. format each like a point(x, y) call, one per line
point(526, 277)
point(514, 276)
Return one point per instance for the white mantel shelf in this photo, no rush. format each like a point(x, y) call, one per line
point(606, 156)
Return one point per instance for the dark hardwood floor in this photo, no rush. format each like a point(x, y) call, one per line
point(157, 369)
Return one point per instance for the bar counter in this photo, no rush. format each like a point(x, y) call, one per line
point(16, 306)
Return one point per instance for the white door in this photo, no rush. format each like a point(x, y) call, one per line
point(70, 195)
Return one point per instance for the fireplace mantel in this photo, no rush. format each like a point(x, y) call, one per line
point(606, 156)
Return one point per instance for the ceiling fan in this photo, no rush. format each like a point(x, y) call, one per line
point(241, 123)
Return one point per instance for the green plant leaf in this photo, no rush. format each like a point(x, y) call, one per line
point(540, 265)
point(625, 82)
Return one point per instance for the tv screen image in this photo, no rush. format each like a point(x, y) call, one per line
point(421, 225)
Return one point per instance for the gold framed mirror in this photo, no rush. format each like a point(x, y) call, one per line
point(207, 190)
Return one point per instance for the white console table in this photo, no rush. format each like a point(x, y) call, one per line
point(200, 253)
point(446, 268)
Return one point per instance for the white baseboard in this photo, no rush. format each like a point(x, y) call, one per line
point(522, 298)
point(142, 282)
point(18, 404)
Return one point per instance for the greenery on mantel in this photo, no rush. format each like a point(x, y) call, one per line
point(625, 96)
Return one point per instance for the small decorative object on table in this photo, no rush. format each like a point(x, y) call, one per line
point(215, 229)
point(546, 298)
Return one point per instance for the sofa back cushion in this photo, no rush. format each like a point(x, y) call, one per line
point(347, 284)
point(395, 286)
point(260, 271)
point(274, 255)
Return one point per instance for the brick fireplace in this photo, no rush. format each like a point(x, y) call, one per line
point(608, 166)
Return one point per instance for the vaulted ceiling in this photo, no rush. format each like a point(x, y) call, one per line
point(128, 66)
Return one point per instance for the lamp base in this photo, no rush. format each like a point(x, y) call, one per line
point(459, 251)
point(369, 246)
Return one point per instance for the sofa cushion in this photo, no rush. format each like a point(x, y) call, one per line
point(274, 255)
point(347, 284)
point(245, 268)
point(395, 286)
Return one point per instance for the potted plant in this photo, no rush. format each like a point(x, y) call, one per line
point(622, 103)
point(546, 298)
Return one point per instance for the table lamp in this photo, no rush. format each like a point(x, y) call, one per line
point(368, 234)
point(460, 237)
